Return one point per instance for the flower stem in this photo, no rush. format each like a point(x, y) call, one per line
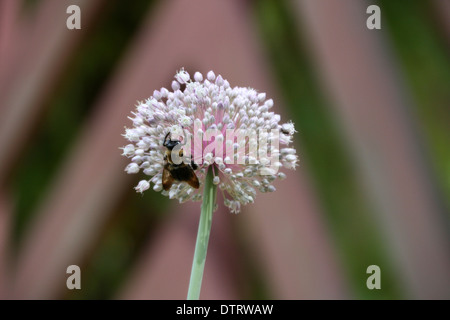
point(204, 229)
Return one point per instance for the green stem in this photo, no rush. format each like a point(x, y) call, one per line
point(204, 230)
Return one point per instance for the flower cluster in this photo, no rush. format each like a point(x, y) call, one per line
point(196, 107)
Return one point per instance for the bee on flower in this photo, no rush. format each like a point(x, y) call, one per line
point(177, 135)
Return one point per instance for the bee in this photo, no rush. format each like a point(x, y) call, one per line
point(177, 172)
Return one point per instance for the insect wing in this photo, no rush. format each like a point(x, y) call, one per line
point(167, 179)
point(193, 180)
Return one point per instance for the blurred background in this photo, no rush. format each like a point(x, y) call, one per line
point(372, 110)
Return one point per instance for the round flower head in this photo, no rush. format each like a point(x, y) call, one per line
point(202, 123)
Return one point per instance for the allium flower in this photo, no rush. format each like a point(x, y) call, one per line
point(197, 110)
